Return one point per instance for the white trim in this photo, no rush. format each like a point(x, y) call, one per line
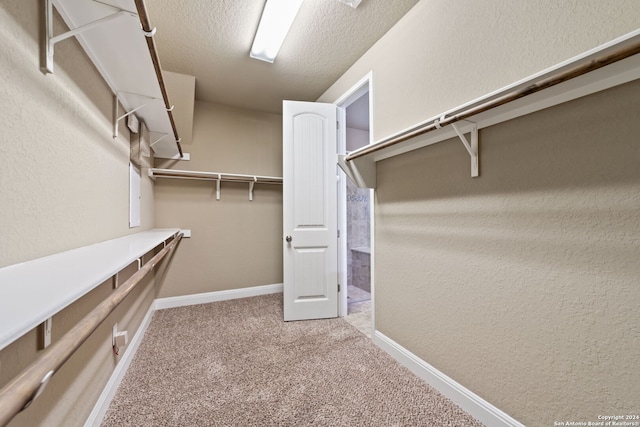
point(109, 391)
point(470, 402)
point(356, 91)
point(204, 298)
point(341, 204)
point(372, 256)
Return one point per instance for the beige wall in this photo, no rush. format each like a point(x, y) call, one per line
point(444, 53)
point(235, 243)
point(522, 284)
point(64, 183)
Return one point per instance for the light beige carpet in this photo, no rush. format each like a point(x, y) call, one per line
point(237, 363)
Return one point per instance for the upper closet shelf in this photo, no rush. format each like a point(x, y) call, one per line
point(606, 66)
point(33, 291)
point(215, 176)
point(118, 38)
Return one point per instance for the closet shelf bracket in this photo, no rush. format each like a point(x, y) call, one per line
point(50, 40)
point(45, 333)
point(116, 118)
point(164, 135)
point(472, 147)
point(251, 184)
point(142, 95)
point(43, 385)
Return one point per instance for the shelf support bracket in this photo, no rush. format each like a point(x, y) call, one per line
point(116, 118)
point(164, 135)
point(50, 40)
point(361, 171)
point(45, 333)
point(142, 95)
point(251, 184)
point(218, 187)
point(472, 147)
point(41, 387)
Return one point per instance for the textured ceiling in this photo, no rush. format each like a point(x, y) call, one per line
point(211, 41)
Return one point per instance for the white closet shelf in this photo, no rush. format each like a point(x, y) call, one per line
point(611, 64)
point(110, 33)
point(215, 176)
point(32, 292)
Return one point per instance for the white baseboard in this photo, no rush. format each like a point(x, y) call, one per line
point(207, 297)
point(109, 391)
point(470, 402)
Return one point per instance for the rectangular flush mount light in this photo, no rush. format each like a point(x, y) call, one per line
point(276, 20)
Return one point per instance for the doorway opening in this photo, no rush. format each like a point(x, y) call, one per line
point(356, 215)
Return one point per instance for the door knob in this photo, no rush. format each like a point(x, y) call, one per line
point(288, 239)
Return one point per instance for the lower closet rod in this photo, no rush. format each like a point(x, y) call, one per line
point(25, 388)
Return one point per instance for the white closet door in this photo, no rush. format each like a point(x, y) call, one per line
point(310, 210)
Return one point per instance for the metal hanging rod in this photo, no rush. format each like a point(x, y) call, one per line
point(18, 394)
point(583, 67)
point(213, 176)
point(151, 44)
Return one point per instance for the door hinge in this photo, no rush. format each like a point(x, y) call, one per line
point(338, 234)
point(338, 287)
point(337, 124)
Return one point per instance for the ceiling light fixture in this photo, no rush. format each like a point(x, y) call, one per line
point(276, 20)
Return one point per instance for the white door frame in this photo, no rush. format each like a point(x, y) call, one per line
point(354, 93)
